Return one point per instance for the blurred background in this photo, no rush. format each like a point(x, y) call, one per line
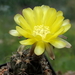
point(65, 58)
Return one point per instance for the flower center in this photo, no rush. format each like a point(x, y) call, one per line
point(41, 30)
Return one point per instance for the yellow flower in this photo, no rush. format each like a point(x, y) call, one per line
point(42, 26)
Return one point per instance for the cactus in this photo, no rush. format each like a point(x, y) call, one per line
point(23, 63)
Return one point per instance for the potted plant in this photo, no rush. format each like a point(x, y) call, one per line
point(43, 28)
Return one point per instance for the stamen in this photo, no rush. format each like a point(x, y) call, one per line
point(41, 30)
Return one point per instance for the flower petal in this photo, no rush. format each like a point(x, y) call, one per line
point(57, 24)
point(68, 45)
point(27, 42)
point(50, 17)
point(66, 25)
point(38, 15)
point(59, 13)
point(62, 36)
point(65, 22)
point(40, 48)
point(14, 33)
point(66, 28)
point(16, 18)
point(21, 21)
point(57, 33)
point(58, 43)
point(23, 32)
point(49, 50)
point(29, 16)
point(45, 10)
point(38, 37)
